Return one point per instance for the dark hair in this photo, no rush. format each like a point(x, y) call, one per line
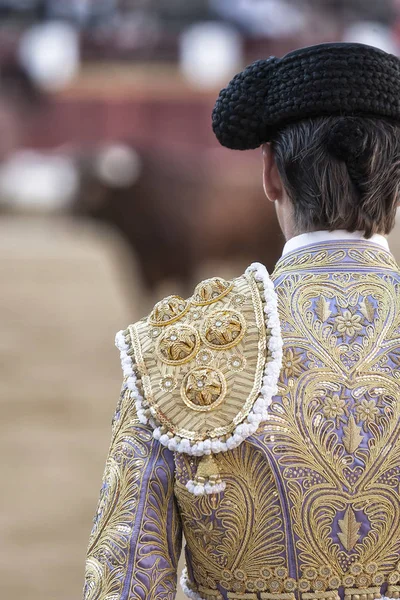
point(341, 173)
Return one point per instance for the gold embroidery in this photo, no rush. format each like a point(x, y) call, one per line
point(154, 556)
point(338, 419)
point(168, 311)
point(322, 258)
point(320, 596)
point(211, 290)
point(362, 594)
point(393, 591)
point(208, 594)
point(208, 470)
point(205, 357)
point(167, 384)
point(242, 596)
point(333, 441)
point(367, 411)
point(352, 435)
point(238, 542)
point(237, 362)
point(224, 329)
point(322, 309)
point(277, 596)
point(292, 363)
point(367, 309)
point(349, 529)
point(233, 337)
point(203, 389)
point(333, 407)
point(321, 477)
point(178, 345)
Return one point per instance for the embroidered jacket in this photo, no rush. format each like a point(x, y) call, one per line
point(283, 488)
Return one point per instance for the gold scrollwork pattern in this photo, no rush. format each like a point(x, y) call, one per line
point(334, 432)
point(135, 542)
point(237, 542)
point(312, 501)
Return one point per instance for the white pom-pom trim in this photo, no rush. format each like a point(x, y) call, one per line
point(126, 363)
point(184, 581)
point(200, 489)
point(269, 389)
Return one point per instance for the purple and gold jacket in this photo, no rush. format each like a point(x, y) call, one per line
point(284, 490)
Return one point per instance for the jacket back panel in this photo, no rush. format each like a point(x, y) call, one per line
point(312, 506)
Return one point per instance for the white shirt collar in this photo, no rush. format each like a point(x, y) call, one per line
point(315, 237)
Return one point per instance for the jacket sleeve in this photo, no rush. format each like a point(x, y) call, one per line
point(135, 542)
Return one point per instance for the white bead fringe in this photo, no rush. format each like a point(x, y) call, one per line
point(199, 489)
point(126, 362)
point(184, 581)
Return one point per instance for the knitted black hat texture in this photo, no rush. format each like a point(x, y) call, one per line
point(349, 80)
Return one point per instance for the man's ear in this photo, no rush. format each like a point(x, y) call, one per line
point(272, 182)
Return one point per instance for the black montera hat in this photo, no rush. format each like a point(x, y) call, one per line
point(350, 80)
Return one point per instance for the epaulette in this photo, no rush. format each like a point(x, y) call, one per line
point(203, 371)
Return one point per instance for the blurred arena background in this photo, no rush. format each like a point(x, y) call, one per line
point(113, 193)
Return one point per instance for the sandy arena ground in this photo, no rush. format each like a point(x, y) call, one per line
point(62, 299)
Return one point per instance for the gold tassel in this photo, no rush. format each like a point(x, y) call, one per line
point(208, 478)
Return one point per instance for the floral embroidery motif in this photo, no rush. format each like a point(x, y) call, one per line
point(168, 311)
point(178, 345)
point(333, 407)
point(367, 411)
point(204, 388)
point(211, 290)
point(168, 384)
point(204, 357)
point(224, 329)
point(348, 324)
point(237, 362)
point(291, 363)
